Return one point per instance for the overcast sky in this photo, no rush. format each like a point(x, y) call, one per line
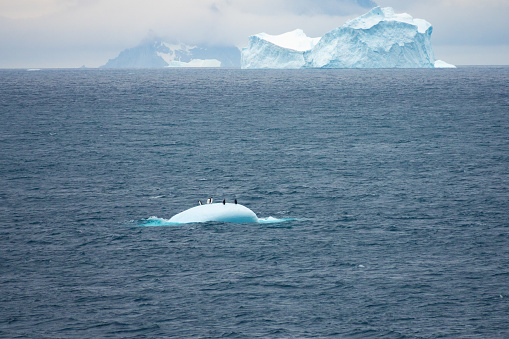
point(72, 33)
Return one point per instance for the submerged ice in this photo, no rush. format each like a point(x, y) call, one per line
point(377, 39)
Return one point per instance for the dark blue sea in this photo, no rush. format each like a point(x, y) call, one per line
point(391, 188)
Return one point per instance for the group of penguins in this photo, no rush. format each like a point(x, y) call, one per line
point(209, 201)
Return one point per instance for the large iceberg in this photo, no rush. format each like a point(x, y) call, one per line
point(377, 39)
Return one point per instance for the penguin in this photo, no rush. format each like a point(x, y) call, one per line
point(208, 201)
point(235, 201)
point(199, 202)
point(211, 199)
point(224, 201)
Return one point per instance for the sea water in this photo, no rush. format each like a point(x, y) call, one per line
point(389, 190)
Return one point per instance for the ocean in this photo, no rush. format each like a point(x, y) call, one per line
point(391, 188)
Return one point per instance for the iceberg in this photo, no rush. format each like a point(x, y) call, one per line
point(277, 51)
point(232, 213)
point(380, 38)
point(235, 213)
point(443, 64)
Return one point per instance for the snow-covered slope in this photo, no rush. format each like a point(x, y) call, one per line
point(296, 40)
point(157, 53)
point(377, 39)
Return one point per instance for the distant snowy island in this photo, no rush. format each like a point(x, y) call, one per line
point(155, 53)
point(377, 39)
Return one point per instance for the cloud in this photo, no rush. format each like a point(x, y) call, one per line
point(303, 7)
point(69, 33)
point(367, 3)
point(73, 29)
point(29, 9)
point(460, 22)
point(463, 30)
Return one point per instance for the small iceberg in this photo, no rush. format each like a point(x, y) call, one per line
point(218, 212)
point(443, 64)
point(228, 212)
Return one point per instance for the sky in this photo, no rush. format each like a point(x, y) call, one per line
point(73, 33)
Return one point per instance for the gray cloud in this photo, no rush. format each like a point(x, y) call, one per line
point(305, 7)
point(327, 7)
point(460, 22)
point(67, 33)
point(214, 8)
point(367, 3)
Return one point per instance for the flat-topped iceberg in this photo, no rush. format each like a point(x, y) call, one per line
point(277, 51)
point(296, 40)
point(377, 39)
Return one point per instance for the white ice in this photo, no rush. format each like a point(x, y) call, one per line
point(377, 39)
point(235, 213)
point(443, 64)
point(196, 63)
point(277, 51)
point(296, 40)
point(377, 14)
point(170, 57)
